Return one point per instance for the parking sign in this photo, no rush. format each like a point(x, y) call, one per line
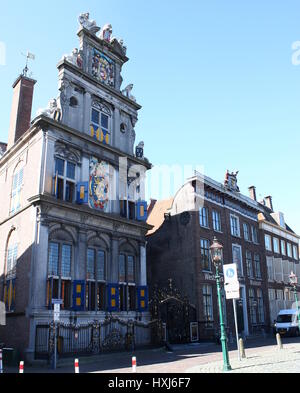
point(230, 273)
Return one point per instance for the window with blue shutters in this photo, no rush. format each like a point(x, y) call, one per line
point(95, 279)
point(64, 180)
point(59, 273)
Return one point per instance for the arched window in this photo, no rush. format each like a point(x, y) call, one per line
point(96, 275)
point(127, 277)
point(60, 251)
point(17, 185)
point(101, 122)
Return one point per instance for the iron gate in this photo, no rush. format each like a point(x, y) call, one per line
point(113, 334)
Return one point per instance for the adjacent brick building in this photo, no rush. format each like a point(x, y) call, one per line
point(178, 248)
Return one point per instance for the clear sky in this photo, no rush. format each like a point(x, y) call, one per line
point(215, 79)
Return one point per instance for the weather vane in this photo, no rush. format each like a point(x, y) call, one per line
point(28, 56)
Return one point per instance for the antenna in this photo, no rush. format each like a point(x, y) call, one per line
point(28, 56)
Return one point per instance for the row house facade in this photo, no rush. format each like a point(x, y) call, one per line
point(178, 248)
point(282, 258)
point(73, 211)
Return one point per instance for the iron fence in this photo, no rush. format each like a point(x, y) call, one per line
point(113, 334)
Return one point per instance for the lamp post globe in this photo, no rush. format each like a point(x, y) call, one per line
point(293, 282)
point(216, 255)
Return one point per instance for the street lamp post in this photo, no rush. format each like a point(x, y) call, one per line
point(216, 255)
point(293, 281)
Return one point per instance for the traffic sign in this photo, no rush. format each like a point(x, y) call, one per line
point(230, 273)
point(57, 301)
point(56, 312)
point(232, 290)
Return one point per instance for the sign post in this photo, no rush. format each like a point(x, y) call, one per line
point(56, 317)
point(232, 289)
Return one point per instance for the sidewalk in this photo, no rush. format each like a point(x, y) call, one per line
point(262, 357)
point(271, 360)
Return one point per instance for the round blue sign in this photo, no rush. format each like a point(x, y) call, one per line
point(230, 273)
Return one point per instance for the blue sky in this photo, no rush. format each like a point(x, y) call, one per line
point(215, 79)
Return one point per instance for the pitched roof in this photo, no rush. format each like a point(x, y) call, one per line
point(157, 214)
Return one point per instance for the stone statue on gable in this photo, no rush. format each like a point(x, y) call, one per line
point(85, 22)
point(75, 58)
point(127, 92)
point(124, 48)
point(106, 32)
point(231, 181)
point(139, 150)
point(52, 111)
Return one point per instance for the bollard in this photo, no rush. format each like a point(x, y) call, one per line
point(76, 366)
point(279, 343)
point(242, 349)
point(1, 364)
point(134, 364)
point(21, 368)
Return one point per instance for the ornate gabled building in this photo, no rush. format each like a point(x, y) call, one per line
point(73, 212)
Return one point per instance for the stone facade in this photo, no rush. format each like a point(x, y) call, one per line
point(73, 211)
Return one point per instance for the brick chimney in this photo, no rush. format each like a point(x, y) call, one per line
point(252, 192)
point(269, 203)
point(21, 108)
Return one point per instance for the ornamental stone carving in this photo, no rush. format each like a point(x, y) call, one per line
point(67, 152)
point(75, 58)
point(127, 92)
point(86, 23)
point(106, 32)
point(52, 111)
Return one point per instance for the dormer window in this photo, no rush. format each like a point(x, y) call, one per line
point(100, 123)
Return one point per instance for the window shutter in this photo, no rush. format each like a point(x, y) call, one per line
point(78, 295)
point(142, 298)
point(10, 295)
point(113, 297)
point(141, 211)
point(82, 193)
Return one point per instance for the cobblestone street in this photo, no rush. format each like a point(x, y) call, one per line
point(262, 357)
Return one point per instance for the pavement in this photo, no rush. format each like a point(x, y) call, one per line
point(273, 360)
point(262, 356)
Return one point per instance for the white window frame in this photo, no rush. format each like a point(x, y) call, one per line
point(268, 245)
point(289, 250)
point(276, 245)
point(246, 230)
point(65, 177)
point(295, 252)
point(15, 200)
point(216, 217)
point(270, 269)
point(232, 227)
point(102, 110)
point(240, 264)
point(254, 237)
point(283, 247)
point(201, 210)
